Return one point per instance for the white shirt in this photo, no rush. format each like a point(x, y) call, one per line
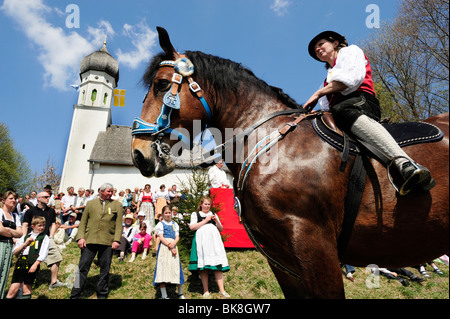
point(194, 217)
point(173, 194)
point(129, 232)
point(79, 201)
point(67, 201)
point(51, 201)
point(350, 69)
point(159, 229)
point(217, 177)
point(43, 252)
point(15, 216)
point(160, 194)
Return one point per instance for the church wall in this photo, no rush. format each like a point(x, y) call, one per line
point(83, 134)
point(122, 177)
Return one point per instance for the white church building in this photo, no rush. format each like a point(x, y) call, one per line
point(97, 150)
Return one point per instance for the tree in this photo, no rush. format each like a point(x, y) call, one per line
point(49, 177)
point(410, 59)
point(15, 173)
point(192, 191)
point(386, 102)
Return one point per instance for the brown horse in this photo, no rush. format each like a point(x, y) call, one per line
point(293, 206)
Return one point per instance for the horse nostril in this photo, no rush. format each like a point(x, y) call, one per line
point(138, 158)
point(145, 165)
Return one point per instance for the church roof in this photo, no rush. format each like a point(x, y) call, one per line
point(113, 147)
point(101, 60)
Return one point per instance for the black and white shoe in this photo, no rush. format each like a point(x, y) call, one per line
point(415, 175)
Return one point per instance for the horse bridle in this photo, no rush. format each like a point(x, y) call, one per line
point(171, 101)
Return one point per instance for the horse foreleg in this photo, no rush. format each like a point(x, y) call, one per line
point(321, 279)
point(317, 264)
point(291, 286)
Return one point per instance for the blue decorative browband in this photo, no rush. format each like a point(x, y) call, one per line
point(171, 101)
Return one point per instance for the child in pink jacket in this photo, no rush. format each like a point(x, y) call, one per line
point(141, 242)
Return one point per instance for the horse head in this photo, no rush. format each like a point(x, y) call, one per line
point(173, 101)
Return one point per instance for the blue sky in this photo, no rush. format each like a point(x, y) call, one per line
point(40, 52)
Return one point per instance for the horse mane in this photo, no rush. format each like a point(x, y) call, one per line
point(220, 74)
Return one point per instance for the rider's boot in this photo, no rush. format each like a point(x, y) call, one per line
point(373, 133)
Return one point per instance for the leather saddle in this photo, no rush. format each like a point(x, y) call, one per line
point(408, 133)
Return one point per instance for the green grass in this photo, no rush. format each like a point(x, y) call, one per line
point(250, 277)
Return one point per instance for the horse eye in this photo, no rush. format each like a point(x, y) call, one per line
point(162, 85)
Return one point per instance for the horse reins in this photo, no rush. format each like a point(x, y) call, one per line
point(171, 101)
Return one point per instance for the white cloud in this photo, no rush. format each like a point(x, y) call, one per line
point(143, 39)
point(280, 7)
point(104, 28)
point(59, 52)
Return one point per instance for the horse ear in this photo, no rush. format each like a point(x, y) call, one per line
point(164, 42)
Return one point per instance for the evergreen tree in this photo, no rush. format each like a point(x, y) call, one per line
point(192, 191)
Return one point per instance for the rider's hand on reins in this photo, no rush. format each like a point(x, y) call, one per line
point(312, 101)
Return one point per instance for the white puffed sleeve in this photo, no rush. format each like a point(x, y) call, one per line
point(323, 103)
point(193, 219)
point(350, 68)
point(176, 228)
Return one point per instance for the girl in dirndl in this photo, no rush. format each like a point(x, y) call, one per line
point(168, 265)
point(145, 204)
point(208, 251)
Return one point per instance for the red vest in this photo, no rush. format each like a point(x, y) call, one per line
point(146, 198)
point(366, 86)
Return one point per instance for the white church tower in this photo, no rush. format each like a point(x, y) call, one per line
point(99, 75)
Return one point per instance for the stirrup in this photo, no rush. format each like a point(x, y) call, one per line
point(418, 170)
point(388, 168)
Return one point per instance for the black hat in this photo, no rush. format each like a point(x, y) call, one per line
point(324, 35)
point(48, 187)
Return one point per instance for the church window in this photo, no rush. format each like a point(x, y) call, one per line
point(105, 98)
point(94, 95)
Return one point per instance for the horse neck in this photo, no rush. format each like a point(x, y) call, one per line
point(234, 115)
point(244, 109)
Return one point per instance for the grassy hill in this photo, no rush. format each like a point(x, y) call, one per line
point(250, 277)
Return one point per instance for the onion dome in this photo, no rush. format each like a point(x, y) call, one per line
point(101, 60)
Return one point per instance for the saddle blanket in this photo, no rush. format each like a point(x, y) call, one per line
point(408, 133)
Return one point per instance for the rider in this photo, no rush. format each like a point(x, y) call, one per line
point(351, 98)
